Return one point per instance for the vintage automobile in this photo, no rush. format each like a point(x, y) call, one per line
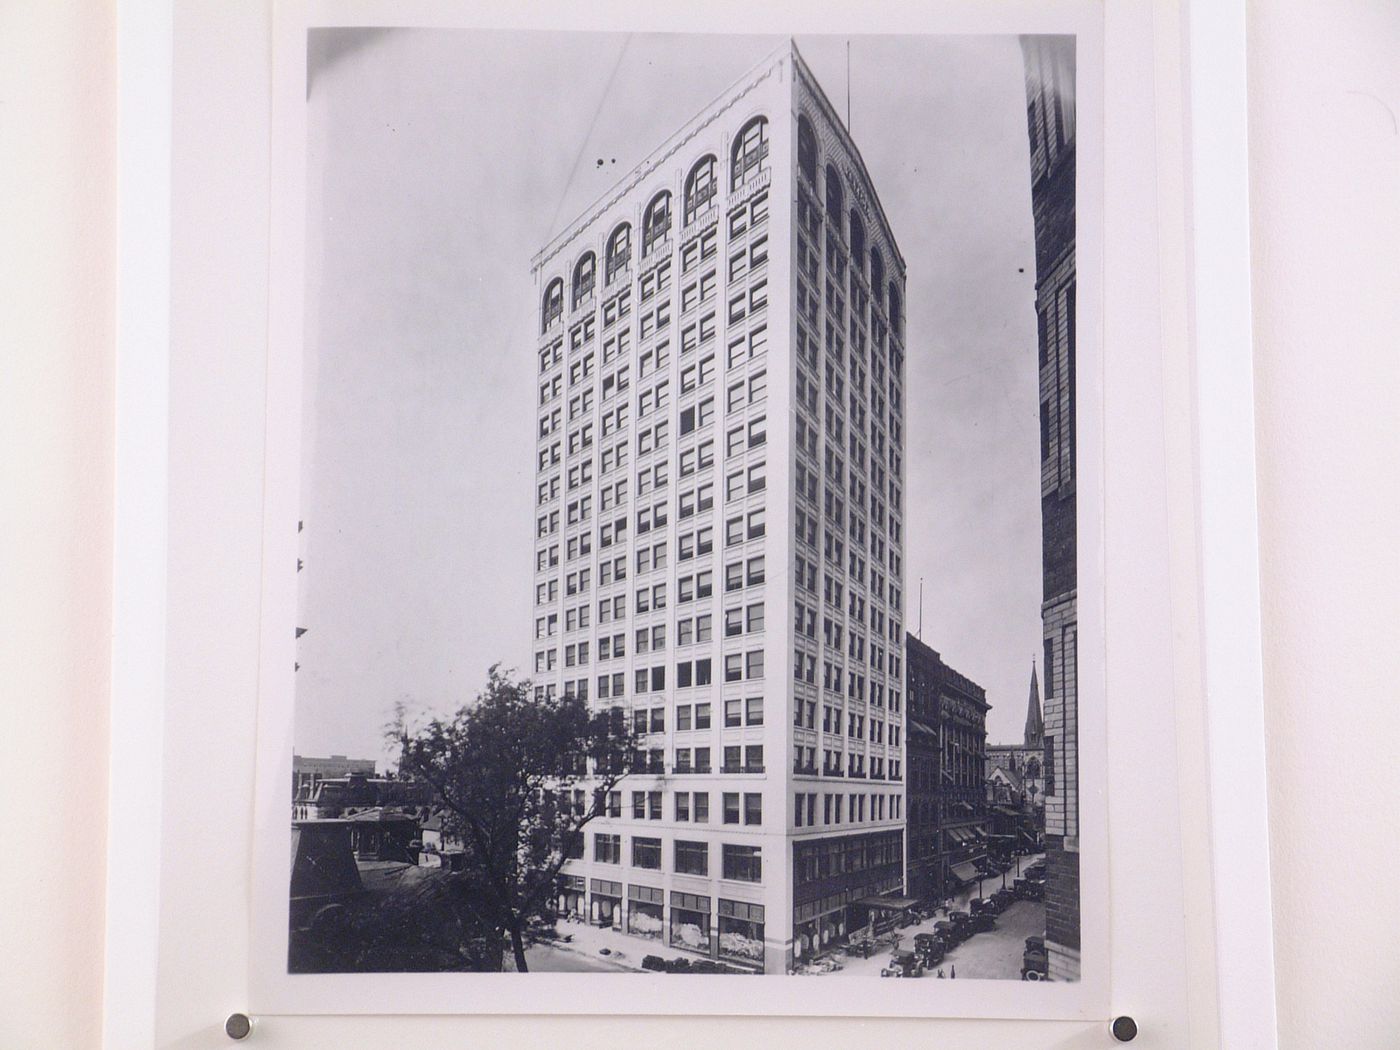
point(1003, 899)
point(903, 964)
point(1035, 944)
point(1036, 871)
point(949, 934)
point(962, 924)
point(930, 948)
point(978, 906)
point(1035, 966)
point(1029, 890)
point(984, 921)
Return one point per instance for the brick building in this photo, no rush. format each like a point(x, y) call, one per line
point(946, 790)
point(1050, 114)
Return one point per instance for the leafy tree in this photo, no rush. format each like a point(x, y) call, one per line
point(423, 926)
point(517, 777)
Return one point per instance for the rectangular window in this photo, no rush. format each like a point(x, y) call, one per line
point(753, 664)
point(646, 853)
point(731, 807)
point(755, 617)
point(607, 849)
point(692, 858)
point(753, 809)
point(753, 713)
point(753, 758)
point(733, 622)
point(742, 863)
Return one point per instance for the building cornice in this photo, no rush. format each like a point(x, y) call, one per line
point(834, 119)
point(702, 120)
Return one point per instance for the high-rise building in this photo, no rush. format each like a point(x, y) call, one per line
point(1050, 71)
point(719, 526)
point(947, 794)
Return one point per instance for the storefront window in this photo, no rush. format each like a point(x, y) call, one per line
point(690, 922)
point(741, 931)
point(644, 912)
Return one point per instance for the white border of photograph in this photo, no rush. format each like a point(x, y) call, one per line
point(276, 991)
point(183, 709)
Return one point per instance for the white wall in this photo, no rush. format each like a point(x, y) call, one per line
point(1325, 96)
point(1324, 84)
point(57, 138)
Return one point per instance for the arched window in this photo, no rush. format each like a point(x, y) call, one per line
point(619, 250)
point(877, 272)
point(656, 224)
point(857, 240)
point(750, 149)
point(699, 189)
point(896, 319)
point(835, 196)
point(553, 307)
point(585, 272)
point(807, 150)
point(1033, 769)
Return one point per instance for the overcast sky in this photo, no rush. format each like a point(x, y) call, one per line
point(441, 161)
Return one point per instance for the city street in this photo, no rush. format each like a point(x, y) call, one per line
point(995, 955)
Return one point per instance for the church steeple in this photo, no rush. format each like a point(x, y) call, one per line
point(1035, 727)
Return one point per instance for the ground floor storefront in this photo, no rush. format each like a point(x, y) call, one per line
point(843, 885)
point(719, 929)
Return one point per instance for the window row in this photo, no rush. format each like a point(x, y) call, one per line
point(739, 863)
point(747, 155)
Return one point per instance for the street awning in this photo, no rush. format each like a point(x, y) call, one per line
point(888, 903)
point(965, 872)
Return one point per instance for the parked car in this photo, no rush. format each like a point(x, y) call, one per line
point(951, 934)
point(1035, 944)
point(962, 925)
point(1029, 890)
point(1003, 899)
point(930, 948)
point(978, 906)
point(903, 964)
point(984, 921)
point(1035, 966)
point(1036, 871)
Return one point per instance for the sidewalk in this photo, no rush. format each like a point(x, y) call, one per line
point(625, 950)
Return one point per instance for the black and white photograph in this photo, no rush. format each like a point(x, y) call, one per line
point(687, 518)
